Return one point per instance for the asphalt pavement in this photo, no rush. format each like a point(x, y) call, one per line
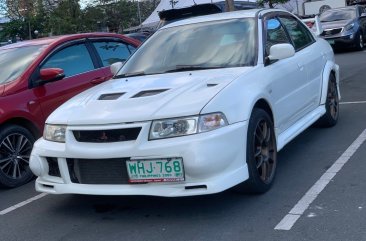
point(336, 212)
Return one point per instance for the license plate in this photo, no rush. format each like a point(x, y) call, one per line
point(330, 41)
point(155, 170)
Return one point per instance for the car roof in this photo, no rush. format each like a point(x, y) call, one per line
point(250, 13)
point(63, 38)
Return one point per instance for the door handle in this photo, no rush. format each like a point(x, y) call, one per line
point(98, 80)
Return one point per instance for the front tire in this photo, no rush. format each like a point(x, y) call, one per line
point(261, 153)
point(16, 144)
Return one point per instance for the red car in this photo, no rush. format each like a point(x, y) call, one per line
point(39, 75)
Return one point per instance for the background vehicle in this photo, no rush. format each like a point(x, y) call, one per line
point(305, 8)
point(39, 75)
point(187, 116)
point(344, 27)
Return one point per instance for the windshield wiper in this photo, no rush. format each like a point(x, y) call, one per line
point(140, 73)
point(180, 68)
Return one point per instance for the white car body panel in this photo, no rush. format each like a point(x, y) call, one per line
point(294, 89)
point(187, 93)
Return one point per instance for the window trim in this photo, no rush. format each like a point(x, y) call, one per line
point(97, 56)
point(304, 26)
point(264, 37)
point(32, 82)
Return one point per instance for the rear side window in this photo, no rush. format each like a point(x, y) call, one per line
point(111, 52)
point(300, 35)
point(73, 60)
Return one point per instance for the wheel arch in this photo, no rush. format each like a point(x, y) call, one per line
point(330, 68)
point(23, 122)
point(264, 105)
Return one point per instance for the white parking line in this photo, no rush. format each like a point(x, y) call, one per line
point(353, 102)
point(295, 213)
point(21, 204)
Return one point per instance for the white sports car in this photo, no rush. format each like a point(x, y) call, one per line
point(203, 105)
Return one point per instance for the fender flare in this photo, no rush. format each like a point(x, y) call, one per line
point(329, 67)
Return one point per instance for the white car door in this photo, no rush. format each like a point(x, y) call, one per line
point(288, 77)
point(311, 57)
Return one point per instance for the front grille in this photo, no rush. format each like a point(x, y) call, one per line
point(53, 169)
point(98, 171)
point(102, 136)
point(328, 32)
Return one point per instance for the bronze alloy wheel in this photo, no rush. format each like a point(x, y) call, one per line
point(261, 153)
point(333, 100)
point(330, 118)
point(264, 151)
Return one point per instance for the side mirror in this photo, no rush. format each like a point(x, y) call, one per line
point(281, 51)
point(51, 74)
point(116, 67)
point(363, 15)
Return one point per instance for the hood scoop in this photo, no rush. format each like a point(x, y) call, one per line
point(211, 85)
point(146, 93)
point(110, 96)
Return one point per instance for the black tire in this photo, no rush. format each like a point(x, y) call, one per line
point(16, 144)
point(330, 118)
point(359, 41)
point(261, 153)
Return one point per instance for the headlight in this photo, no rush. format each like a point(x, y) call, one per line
point(186, 125)
point(54, 133)
point(349, 27)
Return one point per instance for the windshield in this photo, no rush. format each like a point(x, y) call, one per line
point(337, 15)
point(14, 61)
point(217, 44)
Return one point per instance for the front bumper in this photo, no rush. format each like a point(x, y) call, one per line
point(213, 161)
point(345, 41)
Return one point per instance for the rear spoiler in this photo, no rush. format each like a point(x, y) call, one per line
point(314, 25)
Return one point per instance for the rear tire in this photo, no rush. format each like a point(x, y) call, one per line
point(16, 145)
point(261, 153)
point(330, 118)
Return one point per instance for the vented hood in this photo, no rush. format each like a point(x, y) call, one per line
point(145, 98)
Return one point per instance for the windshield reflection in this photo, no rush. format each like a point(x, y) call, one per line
point(14, 61)
point(216, 44)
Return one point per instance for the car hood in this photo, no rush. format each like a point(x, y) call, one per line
point(145, 97)
point(2, 88)
point(335, 24)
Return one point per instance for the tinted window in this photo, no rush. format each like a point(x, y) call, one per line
point(276, 34)
point(14, 61)
point(73, 60)
point(300, 35)
point(111, 52)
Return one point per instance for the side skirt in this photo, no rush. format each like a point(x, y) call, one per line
point(289, 134)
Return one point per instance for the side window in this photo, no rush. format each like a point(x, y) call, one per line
point(73, 60)
point(300, 35)
point(112, 51)
point(276, 34)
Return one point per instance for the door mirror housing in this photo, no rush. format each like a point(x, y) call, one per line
point(116, 67)
point(363, 15)
point(281, 51)
point(50, 75)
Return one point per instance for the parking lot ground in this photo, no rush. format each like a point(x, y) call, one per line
point(338, 213)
